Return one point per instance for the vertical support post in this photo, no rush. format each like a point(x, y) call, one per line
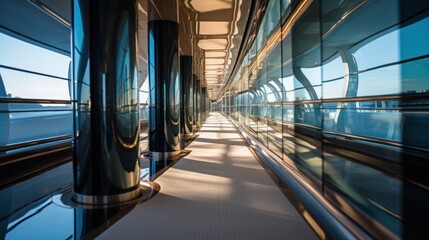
point(194, 103)
point(198, 103)
point(203, 104)
point(106, 127)
point(186, 82)
point(164, 84)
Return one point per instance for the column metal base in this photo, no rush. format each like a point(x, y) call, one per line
point(186, 136)
point(145, 191)
point(197, 127)
point(106, 200)
point(159, 156)
point(185, 139)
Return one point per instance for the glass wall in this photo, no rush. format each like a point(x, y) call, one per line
point(35, 87)
point(143, 82)
point(338, 90)
point(35, 91)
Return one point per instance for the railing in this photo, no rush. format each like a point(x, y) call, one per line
point(144, 111)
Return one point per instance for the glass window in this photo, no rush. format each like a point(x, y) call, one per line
point(333, 89)
point(377, 194)
point(20, 84)
point(27, 72)
point(313, 75)
point(359, 142)
point(333, 68)
point(31, 125)
point(398, 45)
point(144, 100)
point(273, 16)
point(389, 57)
point(19, 54)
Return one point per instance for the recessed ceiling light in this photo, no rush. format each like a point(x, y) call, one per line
point(214, 67)
point(209, 6)
point(215, 61)
point(214, 54)
point(213, 44)
point(213, 28)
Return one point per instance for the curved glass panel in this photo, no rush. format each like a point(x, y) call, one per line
point(31, 72)
point(346, 101)
point(24, 55)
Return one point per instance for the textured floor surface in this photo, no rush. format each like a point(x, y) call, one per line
point(219, 191)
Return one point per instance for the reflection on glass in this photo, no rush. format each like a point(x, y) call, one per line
point(126, 87)
point(47, 219)
point(26, 56)
point(26, 85)
point(27, 72)
point(387, 59)
point(353, 97)
point(376, 194)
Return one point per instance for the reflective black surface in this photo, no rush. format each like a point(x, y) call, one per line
point(346, 107)
point(203, 104)
point(197, 103)
point(194, 103)
point(41, 208)
point(185, 103)
point(164, 87)
point(106, 118)
point(190, 109)
point(87, 221)
point(156, 168)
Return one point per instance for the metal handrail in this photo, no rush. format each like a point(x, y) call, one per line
point(33, 100)
point(34, 142)
point(32, 72)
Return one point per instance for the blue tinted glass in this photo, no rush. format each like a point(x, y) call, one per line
point(333, 69)
point(414, 39)
point(313, 75)
point(399, 44)
point(19, 54)
point(367, 189)
point(366, 120)
point(27, 126)
point(381, 81)
point(359, 142)
point(33, 72)
point(333, 89)
point(27, 85)
point(380, 51)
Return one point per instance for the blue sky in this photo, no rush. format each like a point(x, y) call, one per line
point(19, 54)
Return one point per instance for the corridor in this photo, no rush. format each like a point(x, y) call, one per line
point(218, 191)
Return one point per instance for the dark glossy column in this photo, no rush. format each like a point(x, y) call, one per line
point(185, 82)
point(203, 103)
point(164, 89)
point(190, 105)
point(197, 103)
point(105, 161)
point(208, 103)
point(194, 103)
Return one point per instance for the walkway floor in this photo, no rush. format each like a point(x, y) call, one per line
point(218, 191)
